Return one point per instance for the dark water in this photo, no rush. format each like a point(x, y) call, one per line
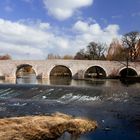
point(114, 105)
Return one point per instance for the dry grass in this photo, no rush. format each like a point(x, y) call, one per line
point(43, 127)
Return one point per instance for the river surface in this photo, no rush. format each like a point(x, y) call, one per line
point(114, 105)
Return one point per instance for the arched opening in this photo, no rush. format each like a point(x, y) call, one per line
point(60, 71)
point(60, 75)
point(128, 72)
point(25, 74)
point(95, 72)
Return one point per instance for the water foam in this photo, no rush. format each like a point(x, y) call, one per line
point(119, 97)
point(78, 98)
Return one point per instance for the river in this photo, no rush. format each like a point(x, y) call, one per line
point(114, 105)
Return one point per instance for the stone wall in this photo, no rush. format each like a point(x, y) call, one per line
point(78, 68)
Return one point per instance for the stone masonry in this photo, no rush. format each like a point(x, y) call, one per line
point(78, 68)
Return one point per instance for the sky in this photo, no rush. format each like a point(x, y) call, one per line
point(32, 29)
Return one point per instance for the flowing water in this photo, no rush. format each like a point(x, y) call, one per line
point(114, 105)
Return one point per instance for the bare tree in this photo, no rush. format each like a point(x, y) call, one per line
point(81, 55)
point(95, 51)
point(53, 56)
point(129, 41)
point(67, 57)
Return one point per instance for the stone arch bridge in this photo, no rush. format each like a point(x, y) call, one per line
point(78, 68)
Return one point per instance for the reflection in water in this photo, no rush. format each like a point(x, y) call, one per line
point(60, 81)
point(7, 81)
point(29, 79)
point(129, 81)
point(68, 81)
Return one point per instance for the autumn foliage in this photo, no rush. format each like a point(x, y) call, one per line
point(116, 51)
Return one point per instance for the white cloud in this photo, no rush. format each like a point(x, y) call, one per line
point(81, 26)
point(94, 32)
point(17, 33)
point(44, 26)
point(26, 41)
point(63, 9)
point(19, 39)
point(85, 27)
point(21, 51)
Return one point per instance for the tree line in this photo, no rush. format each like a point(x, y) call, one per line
point(127, 48)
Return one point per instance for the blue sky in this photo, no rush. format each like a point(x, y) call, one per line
point(31, 29)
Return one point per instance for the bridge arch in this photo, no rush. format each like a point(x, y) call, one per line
point(60, 71)
point(95, 72)
point(25, 70)
point(130, 71)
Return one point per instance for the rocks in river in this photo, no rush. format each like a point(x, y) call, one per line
point(43, 127)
